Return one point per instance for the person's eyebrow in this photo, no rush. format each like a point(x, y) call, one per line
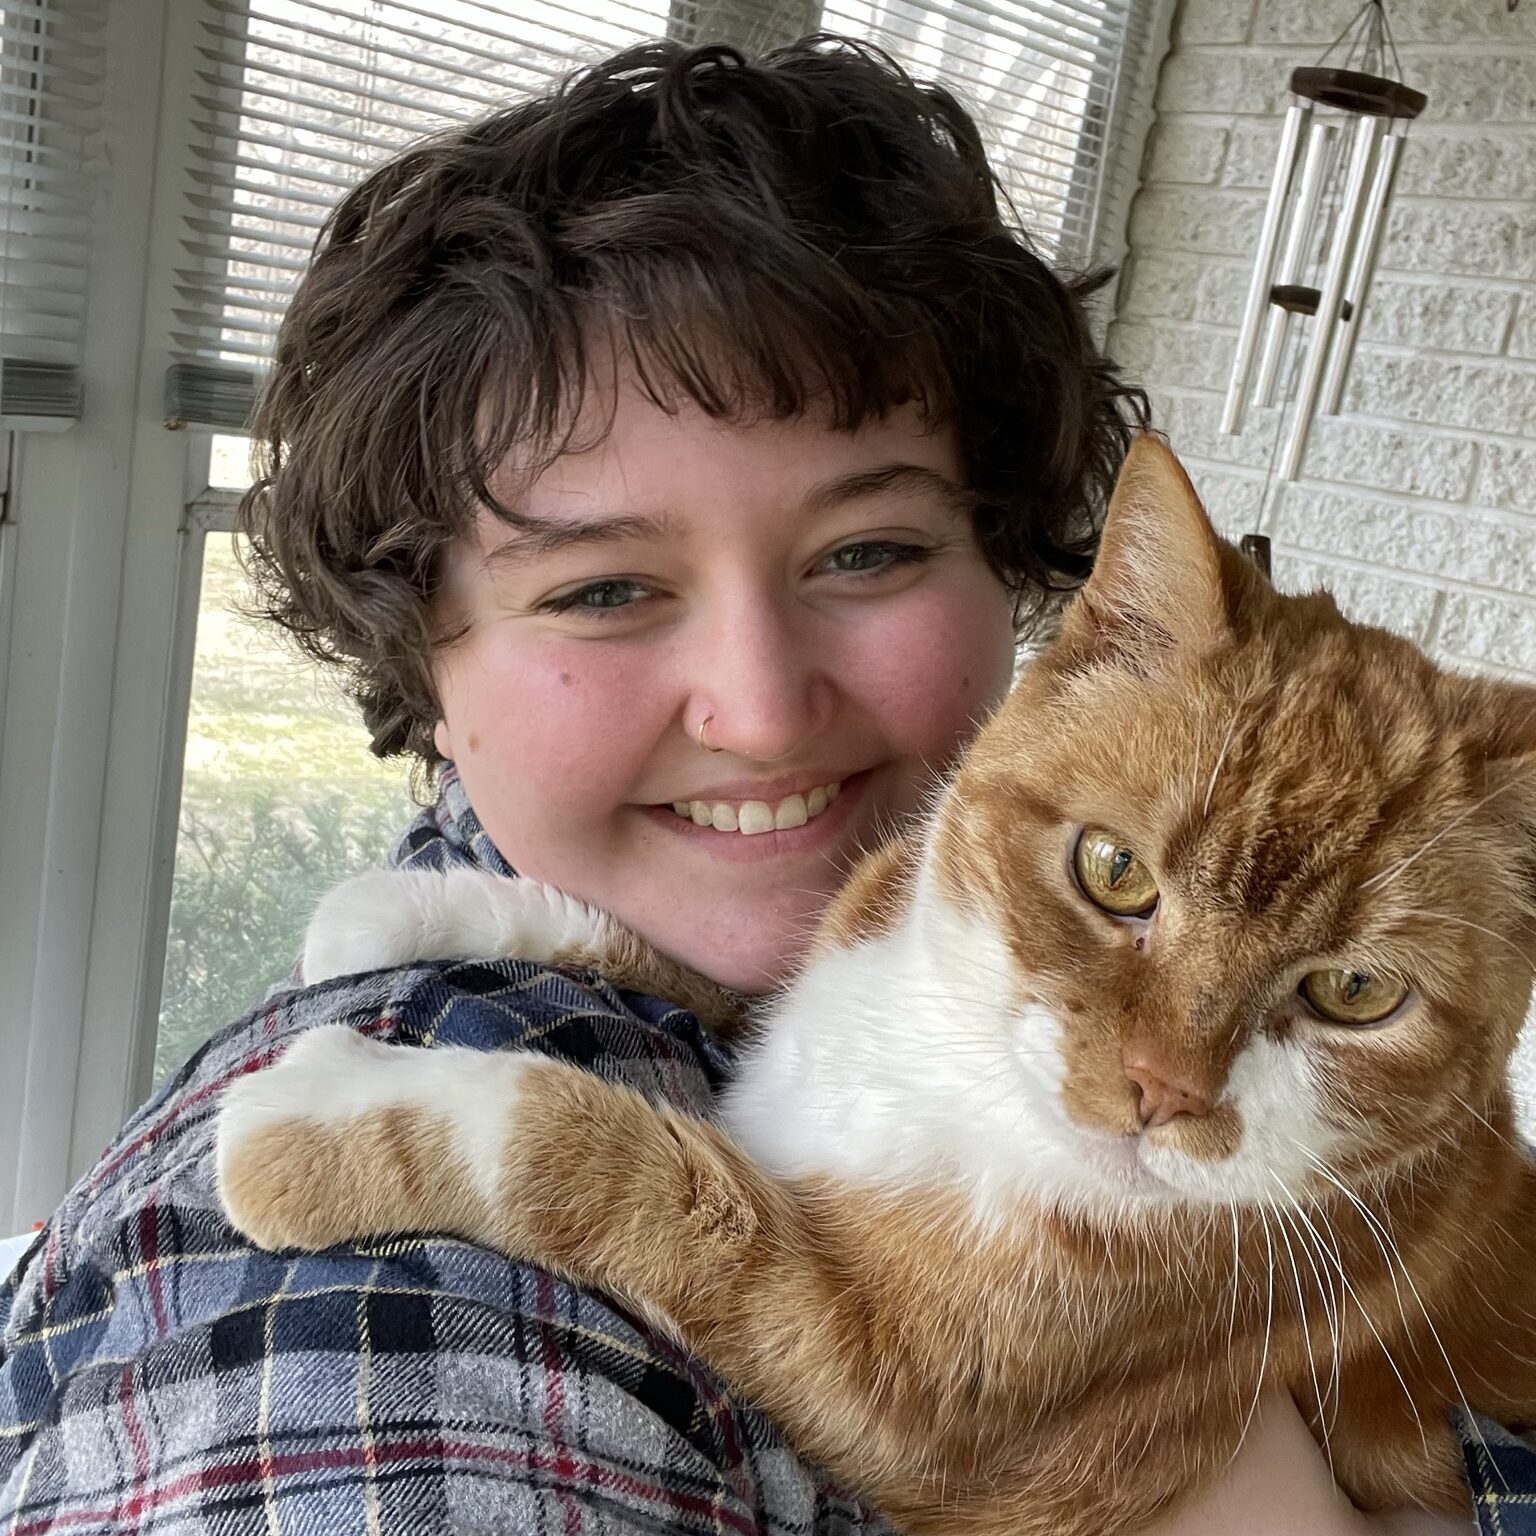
point(900, 479)
point(535, 536)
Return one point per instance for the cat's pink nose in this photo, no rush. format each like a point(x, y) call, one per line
point(1159, 1098)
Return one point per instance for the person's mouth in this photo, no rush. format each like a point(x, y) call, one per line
point(750, 817)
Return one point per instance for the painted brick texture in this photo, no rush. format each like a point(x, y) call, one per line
point(1417, 503)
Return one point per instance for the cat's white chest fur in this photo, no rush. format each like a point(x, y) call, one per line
point(909, 1059)
point(915, 1058)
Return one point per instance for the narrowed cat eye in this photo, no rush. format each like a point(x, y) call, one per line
point(1351, 997)
point(1111, 875)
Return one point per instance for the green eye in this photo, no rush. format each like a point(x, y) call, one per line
point(1111, 875)
point(1352, 997)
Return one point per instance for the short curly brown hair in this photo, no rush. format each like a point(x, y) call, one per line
point(759, 234)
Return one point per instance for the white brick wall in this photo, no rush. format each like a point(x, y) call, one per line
point(1417, 504)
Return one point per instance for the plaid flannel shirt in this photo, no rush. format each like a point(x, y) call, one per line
point(158, 1375)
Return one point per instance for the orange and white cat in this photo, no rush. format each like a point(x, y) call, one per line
point(1163, 1064)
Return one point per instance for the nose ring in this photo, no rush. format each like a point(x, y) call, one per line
point(704, 726)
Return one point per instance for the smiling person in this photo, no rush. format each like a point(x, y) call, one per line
point(673, 463)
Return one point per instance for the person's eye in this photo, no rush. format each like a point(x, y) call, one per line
point(872, 555)
point(597, 598)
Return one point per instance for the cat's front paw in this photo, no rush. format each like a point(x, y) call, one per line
point(279, 1147)
point(345, 1137)
point(393, 917)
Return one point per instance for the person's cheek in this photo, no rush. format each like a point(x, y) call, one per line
point(933, 665)
point(578, 721)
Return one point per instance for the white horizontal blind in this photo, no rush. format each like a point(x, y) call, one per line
point(1046, 80)
point(51, 74)
point(300, 100)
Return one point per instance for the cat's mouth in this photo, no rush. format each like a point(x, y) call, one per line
point(1123, 1159)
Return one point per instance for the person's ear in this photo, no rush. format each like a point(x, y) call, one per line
point(442, 740)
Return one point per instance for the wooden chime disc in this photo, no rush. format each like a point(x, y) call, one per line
point(1351, 90)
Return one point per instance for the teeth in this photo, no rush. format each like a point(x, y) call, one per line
point(752, 817)
point(755, 817)
point(791, 813)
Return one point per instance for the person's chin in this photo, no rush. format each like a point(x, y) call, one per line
point(752, 948)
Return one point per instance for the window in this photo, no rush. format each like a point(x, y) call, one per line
point(280, 799)
point(1049, 83)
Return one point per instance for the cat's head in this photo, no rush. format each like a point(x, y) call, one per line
point(1262, 881)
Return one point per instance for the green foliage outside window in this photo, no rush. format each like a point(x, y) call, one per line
point(280, 800)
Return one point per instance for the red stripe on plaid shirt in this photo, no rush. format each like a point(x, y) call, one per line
point(177, 1111)
point(554, 1404)
point(136, 1438)
point(149, 1253)
point(179, 1107)
point(251, 1470)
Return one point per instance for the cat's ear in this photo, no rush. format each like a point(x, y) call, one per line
point(1511, 709)
point(1157, 582)
point(1507, 718)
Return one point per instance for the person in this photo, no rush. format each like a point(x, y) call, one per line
point(686, 447)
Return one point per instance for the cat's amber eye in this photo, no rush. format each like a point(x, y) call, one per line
point(1111, 875)
point(1352, 997)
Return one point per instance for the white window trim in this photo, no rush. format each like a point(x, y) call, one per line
point(95, 513)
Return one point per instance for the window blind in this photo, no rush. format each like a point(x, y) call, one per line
point(51, 72)
point(1049, 82)
point(298, 99)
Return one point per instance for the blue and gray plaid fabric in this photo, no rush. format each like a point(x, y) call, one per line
point(159, 1376)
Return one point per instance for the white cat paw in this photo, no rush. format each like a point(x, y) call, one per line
point(271, 1125)
point(309, 1150)
point(390, 918)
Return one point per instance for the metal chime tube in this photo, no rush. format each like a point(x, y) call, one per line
point(1314, 179)
point(1363, 270)
point(1368, 133)
point(1297, 116)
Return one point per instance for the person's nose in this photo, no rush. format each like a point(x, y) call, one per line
point(761, 681)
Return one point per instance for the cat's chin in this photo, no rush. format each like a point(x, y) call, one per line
point(1121, 1169)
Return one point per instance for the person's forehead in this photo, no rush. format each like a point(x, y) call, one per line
point(630, 454)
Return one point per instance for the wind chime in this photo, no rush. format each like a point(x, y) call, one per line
point(1323, 227)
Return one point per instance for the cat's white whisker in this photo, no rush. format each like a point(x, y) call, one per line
point(1461, 922)
point(1306, 1326)
point(1269, 1317)
point(1484, 1120)
point(1370, 1323)
point(1388, 1244)
point(1221, 756)
point(1332, 1305)
point(1387, 876)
